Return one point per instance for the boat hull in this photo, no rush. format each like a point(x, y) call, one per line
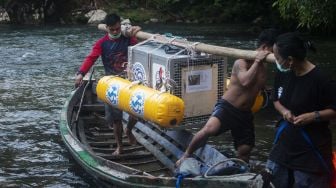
point(150, 163)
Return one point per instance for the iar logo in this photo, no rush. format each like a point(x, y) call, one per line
point(139, 72)
point(280, 89)
point(137, 103)
point(112, 94)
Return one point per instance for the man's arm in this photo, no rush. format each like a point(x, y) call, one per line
point(88, 62)
point(286, 113)
point(126, 30)
point(133, 41)
point(247, 76)
point(91, 58)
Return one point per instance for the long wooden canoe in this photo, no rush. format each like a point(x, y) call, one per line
point(149, 163)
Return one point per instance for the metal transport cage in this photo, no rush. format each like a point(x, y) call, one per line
point(199, 79)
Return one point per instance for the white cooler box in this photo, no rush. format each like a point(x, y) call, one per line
point(200, 80)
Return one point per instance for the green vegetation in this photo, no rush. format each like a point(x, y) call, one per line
point(203, 11)
point(312, 14)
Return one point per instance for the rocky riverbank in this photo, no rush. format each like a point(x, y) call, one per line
point(91, 11)
point(52, 11)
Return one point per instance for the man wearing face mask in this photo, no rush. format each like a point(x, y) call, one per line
point(113, 50)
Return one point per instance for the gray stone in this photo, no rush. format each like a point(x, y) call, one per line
point(97, 17)
point(4, 17)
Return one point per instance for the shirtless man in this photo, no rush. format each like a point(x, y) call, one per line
point(233, 111)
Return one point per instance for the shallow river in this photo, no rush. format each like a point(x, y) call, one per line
point(37, 68)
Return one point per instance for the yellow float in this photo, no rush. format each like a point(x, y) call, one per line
point(258, 103)
point(164, 109)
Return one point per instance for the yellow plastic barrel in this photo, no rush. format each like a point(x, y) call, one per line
point(164, 109)
point(258, 103)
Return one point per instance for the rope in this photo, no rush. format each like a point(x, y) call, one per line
point(83, 94)
point(316, 151)
point(168, 65)
point(192, 52)
point(193, 45)
point(193, 48)
point(130, 52)
point(306, 137)
point(172, 40)
point(179, 180)
point(169, 40)
point(282, 127)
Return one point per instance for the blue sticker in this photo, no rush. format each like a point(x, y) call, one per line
point(112, 94)
point(139, 73)
point(137, 103)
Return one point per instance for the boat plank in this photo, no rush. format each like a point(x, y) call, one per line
point(137, 163)
point(134, 155)
point(160, 140)
point(125, 149)
point(91, 108)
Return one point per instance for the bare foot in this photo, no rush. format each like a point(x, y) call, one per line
point(117, 151)
point(131, 138)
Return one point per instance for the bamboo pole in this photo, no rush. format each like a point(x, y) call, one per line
point(207, 48)
point(201, 47)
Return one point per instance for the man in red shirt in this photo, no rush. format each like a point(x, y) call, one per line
point(113, 50)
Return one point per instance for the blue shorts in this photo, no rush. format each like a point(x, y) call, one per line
point(112, 115)
point(239, 122)
point(283, 177)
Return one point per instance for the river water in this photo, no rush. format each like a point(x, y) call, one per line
point(38, 65)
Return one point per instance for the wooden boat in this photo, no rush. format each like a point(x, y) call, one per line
point(149, 163)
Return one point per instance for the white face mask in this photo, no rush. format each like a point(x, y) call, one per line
point(112, 36)
point(279, 67)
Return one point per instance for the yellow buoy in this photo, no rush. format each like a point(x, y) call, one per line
point(164, 109)
point(258, 103)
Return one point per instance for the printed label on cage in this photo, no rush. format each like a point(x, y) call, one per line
point(158, 76)
point(199, 80)
point(139, 72)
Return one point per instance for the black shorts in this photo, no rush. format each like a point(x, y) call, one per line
point(112, 114)
point(239, 122)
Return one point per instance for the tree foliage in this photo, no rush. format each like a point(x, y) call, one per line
point(213, 11)
point(311, 14)
point(308, 13)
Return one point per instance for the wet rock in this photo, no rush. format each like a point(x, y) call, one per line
point(97, 17)
point(4, 17)
point(154, 20)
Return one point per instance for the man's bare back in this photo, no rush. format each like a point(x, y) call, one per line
point(247, 79)
point(241, 94)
